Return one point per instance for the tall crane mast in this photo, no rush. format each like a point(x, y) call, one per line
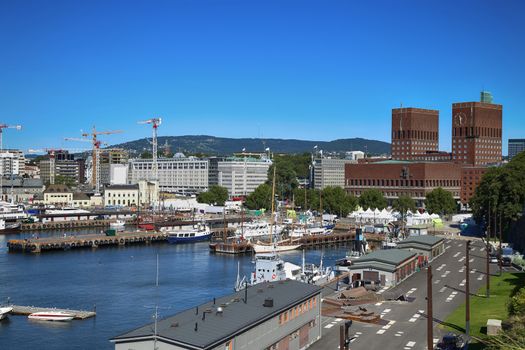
point(2, 127)
point(155, 122)
point(92, 138)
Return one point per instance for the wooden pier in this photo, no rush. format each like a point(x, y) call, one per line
point(28, 310)
point(58, 225)
point(40, 245)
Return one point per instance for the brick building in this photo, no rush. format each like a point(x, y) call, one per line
point(414, 131)
point(395, 178)
point(476, 133)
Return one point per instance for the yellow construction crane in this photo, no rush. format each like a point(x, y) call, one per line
point(92, 138)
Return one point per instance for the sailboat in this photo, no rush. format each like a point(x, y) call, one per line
point(281, 246)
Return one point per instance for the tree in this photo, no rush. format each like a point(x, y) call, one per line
point(404, 203)
point(337, 201)
point(372, 198)
point(146, 155)
point(65, 180)
point(440, 201)
point(215, 195)
point(260, 198)
point(312, 199)
point(286, 178)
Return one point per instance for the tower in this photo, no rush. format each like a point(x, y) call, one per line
point(414, 131)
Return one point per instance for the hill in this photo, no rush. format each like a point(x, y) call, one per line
point(212, 145)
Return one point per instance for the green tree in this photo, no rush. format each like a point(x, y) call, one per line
point(440, 201)
point(337, 201)
point(372, 199)
point(286, 178)
point(215, 195)
point(260, 198)
point(146, 155)
point(312, 199)
point(404, 203)
point(65, 180)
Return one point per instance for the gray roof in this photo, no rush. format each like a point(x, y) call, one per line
point(57, 188)
point(236, 318)
point(387, 256)
point(122, 187)
point(79, 196)
point(425, 240)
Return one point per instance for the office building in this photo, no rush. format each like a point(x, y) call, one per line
point(330, 172)
point(213, 170)
point(109, 157)
point(121, 195)
point(270, 315)
point(180, 174)
point(414, 131)
point(516, 146)
point(242, 175)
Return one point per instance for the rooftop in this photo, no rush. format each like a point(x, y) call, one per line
point(236, 317)
point(424, 240)
point(57, 188)
point(122, 187)
point(387, 256)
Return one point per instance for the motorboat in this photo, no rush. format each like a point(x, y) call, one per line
point(269, 267)
point(4, 311)
point(257, 229)
point(118, 224)
point(198, 234)
point(57, 316)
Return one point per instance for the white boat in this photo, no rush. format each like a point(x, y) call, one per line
point(67, 210)
point(257, 229)
point(11, 211)
point(282, 246)
point(117, 224)
point(4, 311)
point(58, 316)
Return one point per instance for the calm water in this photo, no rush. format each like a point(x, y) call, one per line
point(120, 282)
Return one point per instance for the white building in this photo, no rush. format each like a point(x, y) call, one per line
point(179, 174)
point(12, 162)
point(355, 155)
point(121, 195)
point(330, 172)
point(241, 176)
point(118, 174)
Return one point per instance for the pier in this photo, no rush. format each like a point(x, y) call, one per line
point(28, 310)
point(40, 245)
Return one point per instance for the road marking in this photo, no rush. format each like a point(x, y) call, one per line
point(386, 326)
point(412, 320)
point(328, 326)
point(442, 289)
point(377, 304)
point(462, 259)
point(462, 283)
point(471, 260)
point(410, 345)
point(437, 281)
point(457, 254)
point(391, 322)
point(338, 319)
point(399, 333)
point(381, 331)
point(473, 271)
point(480, 277)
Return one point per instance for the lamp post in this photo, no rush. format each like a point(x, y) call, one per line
point(467, 291)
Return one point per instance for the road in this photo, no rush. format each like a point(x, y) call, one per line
point(404, 324)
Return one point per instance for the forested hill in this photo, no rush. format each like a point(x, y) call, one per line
point(212, 145)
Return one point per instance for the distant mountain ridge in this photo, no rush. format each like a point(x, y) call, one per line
point(212, 145)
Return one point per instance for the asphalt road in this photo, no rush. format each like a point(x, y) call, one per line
point(404, 324)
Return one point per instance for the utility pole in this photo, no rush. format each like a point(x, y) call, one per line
point(467, 291)
point(430, 317)
point(500, 245)
point(342, 343)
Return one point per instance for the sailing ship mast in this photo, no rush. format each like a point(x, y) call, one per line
point(273, 203)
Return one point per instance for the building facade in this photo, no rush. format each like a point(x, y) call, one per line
point(59, 195)
point(397, 178)
point(414, 131)
point(330, 172)
point(65, 165)
point(268, 316)
point(516, 146)
point(121, 195)
point(476, 133)
point(184, 175)
point(427, 247)
point(241, 176)
point(21, 190)
point(109, 157)
point(12, 162)
point(213, 170)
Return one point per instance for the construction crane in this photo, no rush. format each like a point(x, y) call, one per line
point(52, 156)
point(2, 127)
point(155, 122)
point(92, 138)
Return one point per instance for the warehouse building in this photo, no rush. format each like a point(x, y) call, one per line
point(427, 247)
point(269, 316)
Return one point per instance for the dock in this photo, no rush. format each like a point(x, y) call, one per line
point(39, 245)
point(27, 310)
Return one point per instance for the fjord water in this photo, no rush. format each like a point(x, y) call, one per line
point(120, 282)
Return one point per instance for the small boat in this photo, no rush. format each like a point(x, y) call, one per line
point(119, 224)
point(199, 234)
point(4, 311)
point(58, 316)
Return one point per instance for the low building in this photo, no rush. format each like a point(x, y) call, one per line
point(81, 200)
point(427, 247)
point(21, 190)
point(148, 192)
point(389, 266)
point(121, 195)
point(58, 194)
point(271, 315)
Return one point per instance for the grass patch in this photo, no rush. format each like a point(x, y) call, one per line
point(481, 309)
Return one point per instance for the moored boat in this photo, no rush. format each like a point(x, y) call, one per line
point(57, 316)
point(118, 224)
point(282, 246)
point(199, 234)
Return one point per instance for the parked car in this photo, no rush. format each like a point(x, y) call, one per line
point(493, 259)
point(506, 261)
point(451, 341)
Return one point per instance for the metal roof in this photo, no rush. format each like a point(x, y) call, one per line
point(236, 317)
point(423, 240)
point(387, 256)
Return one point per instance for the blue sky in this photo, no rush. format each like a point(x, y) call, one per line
point(318, 70)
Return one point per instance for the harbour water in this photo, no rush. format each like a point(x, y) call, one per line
point(120, 283)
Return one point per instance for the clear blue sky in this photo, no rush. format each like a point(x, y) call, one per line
point(317, 70)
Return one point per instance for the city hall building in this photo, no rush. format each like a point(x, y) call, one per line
point(284, 315)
